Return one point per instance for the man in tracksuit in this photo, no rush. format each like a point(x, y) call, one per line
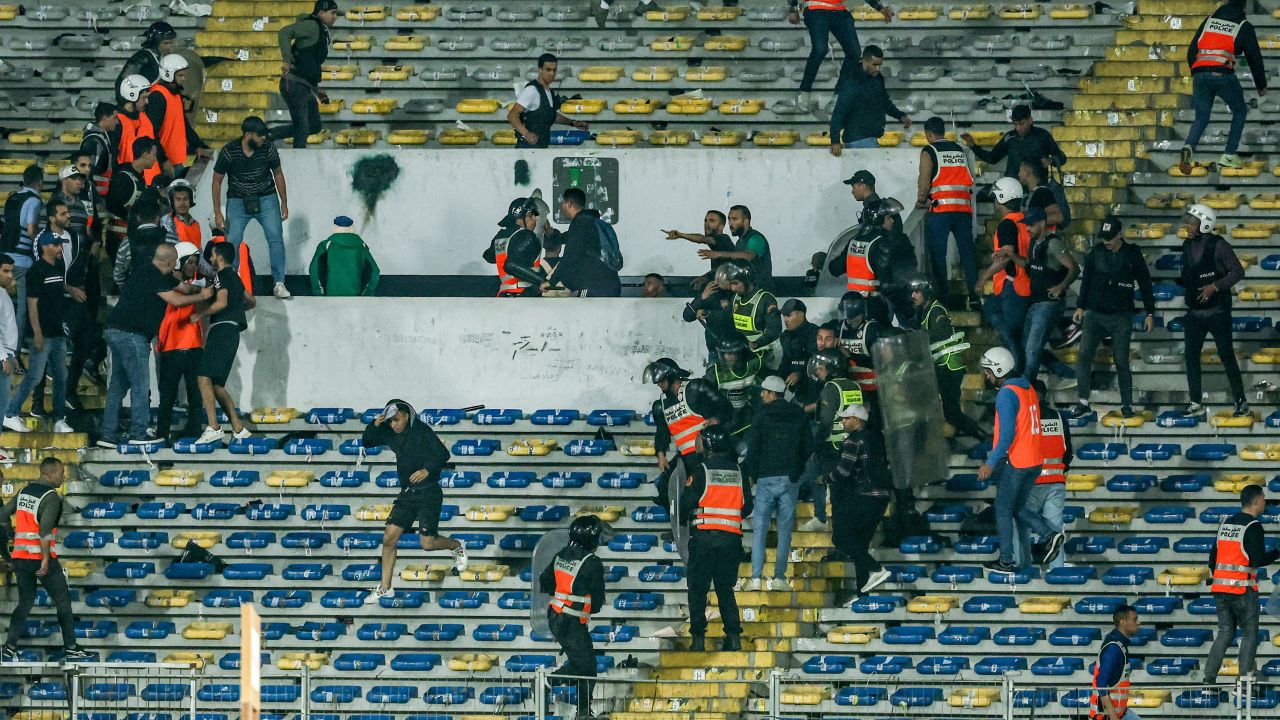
point(575, 583)
point(304, 46)
point(1211, 55)
point(1235, 558)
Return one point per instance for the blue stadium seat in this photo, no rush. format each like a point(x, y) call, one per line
point(1197, 699)
point(251, 445)
point(1075, 636)
point(110, 691)
point(329, 415)
point(614, 634)
point(463, 600)
point(475, 447)
point(88, 539)
point(662, 574)
point(642, 601)
point(919, 544)
point(382, 631)
point(226, 597)
point(968, 482)
point(250, 540)
point(344, 478)
point(916, 697)
point(166, 692)
point(554, 417)
point(580, 447)
point(308, 447)
point(529, 663)
point(286, 599)
point(989, 604)
point(129, 569)
point(104, 510)
point(1057, 666)
point(335, 694)
point(515, 600)
point(391, 694)
point(10, 690)
point(621, 480)
point(188, 570)
point(343, 598)
point(977, 545)
point(1204, 605)
point(1076, 699)
point(320, 631)
point(877, 604)
point(219, 692)
point(544, 513)
point(189, 446)
point(964, 635)
point(448, 694)
point(234, 478)
point(1216, 514)
point(1101, 451)
point(39, 629)
point(1158, 605)
point(1173, 667)
point(1271, 262)
point(1128, 482)
point(956, 574)
point(1128, 575)
point(861, 696)
point(131, 656)
point(274, 631)
point(572, 479)
point(611, 418)
point(497, 632)
point(136, 540)
point(827, 664)
point(1175, 419)
point(1076, 575)
point(905, 573)
point(942, 665)
point(1000, 665)
point(307, 572)
point(1018, 635)
point(124, 478)
point(280, 693)
point(149, 629)
point(215, 511)
point(326, 512)
point(504, 695)
point(1021, 577)
point(448, 479)
point(635, 543)
point(497, 416)
point(474, 541)
point(1169, 514)
point(519, 542)
point(359, 541)
point(948, 513)
point(884, 665)
point(1090, 545)
point(1143, 545)
point(1037, 698)
point(1184, 483)
point(246, 571)
point(305, 540)
point(1210, 452)
point(269, 511)
point(161, 510)
point(415, 662)
point(437, 632)
point(511, 479)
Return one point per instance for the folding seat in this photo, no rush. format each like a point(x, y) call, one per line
point(1000, 665)
point(1070, 575)
point(437, 632)
point(149, 629)
point(920, 544)
point(511, 479)
point(320, 631)
point(614, 634)
point(305, 540)
point(877, 604)
point(988, 604)
point(1198, 699)
point(1194, 545)
point(129, 570)
point(587, 448)
point(1185, 483)
point(448, 694)
point(554, 417)
point(566, 479)
point(224, 597)
point(250, 540)
point(635, 543)
point(104, 510)
point(251, 446)
point(126, 656)
point(964, 635)
point(905, 573)
point(88, 539)
point(391, 694)
point(329, 415)
point(214, 511)
point(1128, 575)
point(519, 542)
point(47, 691)
point(448, 479)
point(908, 635)
point(1019, 635)
point(497, 632)
point(246, 571)
point(967, 482)
point(124, 478)
point(884, 665)
point(1143, 545)
point(327, 512)
point(415, 662)
point(955, 574)
point(1057, 666)
point(1210, 452)
point(463, 600)
point(621, 480)
point(978, 545)
point(1075, 636)
point(286, 599)
point(335, 694)
point(354, 447)
point(650, 514)
point(1129, 482)
point(662, 574)
point(504, 695)
point(307, 447)
point(1174, 667)
point(478, 447)
point(827, 664)
point(234, 478)
point(1100, 451)
point(41, 629)
point(307, 572)
point(1168, 515)
point(948, 513)
point(343, 598)
point(165, 692)
point(1154, 452)
point(860, 696)
point(916, 697)
point(1021, 577)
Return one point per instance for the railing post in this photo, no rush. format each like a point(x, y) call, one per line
point(306, 692)
point(74, 701)
point(775, 694)
point(1246, 698)
point(192, 686)
point(1007, 681)
point(540, 693)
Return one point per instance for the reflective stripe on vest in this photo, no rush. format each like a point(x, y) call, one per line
point(826, 5)
point(744, 313)
point(850, 394)
point(952, 187)
point(1119, 693)
point(857, 268)
point(1232, 573)
point(131, 129)
point(1021, 280)
point(26, 522)
point(720, 507)
point(1053, 444)
point(948, 352)
point(172, 133)
point(1217, 45)
point(1025, 452)
point(860, 368)
point(564, 601)
point(683, 423)
point(507, 284)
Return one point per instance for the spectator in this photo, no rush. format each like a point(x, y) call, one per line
point(1015, 462)
point(580, 269)
point(1111, 669)
point(255, 191)
point(342, 265)
point(226, 316)
point(127, 185)
point(862, 186)
point(1210, 269)
point(179, 346)
point(22, 212)
point(70, 191)
point(1048, 496)
point(178, 224)
point(158, 40)
point(799, 341)
point(8, 332)
point(131, 325)
point(45, 306)
point(712, 236)
point(1239, 552)
point(655, 286)
point(751, 247)
point(83, 334)
point(823, 17)
point(1011, 285)
point(145, 235)
point(168, 117)
point(947, 346)
point(98, 145)
point(945, 188)
point(862, 103)
point(304, 46)
point(1037, 194)
point(1051, 269)
point(859, 487)
point(1024, 142)
point(1104, 306)
point(537, 107)
point(135, 123)
point(1211, 55)
point(778, 445)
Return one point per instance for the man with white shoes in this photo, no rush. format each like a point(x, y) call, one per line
point(860, 487)
point(8, 331)
point(226, 321)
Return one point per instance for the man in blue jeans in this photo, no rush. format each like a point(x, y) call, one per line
point(945, 188)
point(131, 326)
point(1052, 269)
point(1016, 459)
point(822, 18)
point(1006, 309)
point(861, 105)
point(255, 191)
point(1042, 513)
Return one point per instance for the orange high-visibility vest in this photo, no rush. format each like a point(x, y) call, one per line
point(1217, 45)
point(564, 601)
point(187, 231)
point(177, 332)
point(1119, 693)
point(683, 423)
point(860, 369)
point(857, 268)
point(132, 128)
point(1021, 280)
point(720, 507)
point(1232, 573)
point(172, 133)
point(1025, 452)
point(1053, 443)
point(507, 284)
point(952, 187)
point(26, 537)
point(828, 5)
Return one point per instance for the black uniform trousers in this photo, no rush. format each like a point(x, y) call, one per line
point(713, 560)
point(854, 519)
point(574, 637)
point(690, 461)
point(949, 388)
point(55, 583)
point(179, 366)
point(1196, 328)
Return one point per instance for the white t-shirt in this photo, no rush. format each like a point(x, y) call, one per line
point(530, 97)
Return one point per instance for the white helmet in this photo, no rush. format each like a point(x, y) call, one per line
point(132, 87)
point(999, 361)
point(1205, 215)
point(1006, 190)
point(185, 250)
point(181, 184)
point(170, 65)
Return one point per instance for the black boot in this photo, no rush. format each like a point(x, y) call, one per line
point(698, 643)
point(731, 643)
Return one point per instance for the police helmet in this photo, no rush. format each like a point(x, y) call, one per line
point(157, 32)
point(587, 531)
point(1205, 215)
point(853, 306)
point(829, 359)
point(1007, 190)
point(663, 369)
point(915, 281)
point(185, 250)
point(999, 361)
point(715, 439)
point(181, 184)
point(733, 343)
point(887, 207)
point(730, 272)
point(132, 87)
point(171, 65)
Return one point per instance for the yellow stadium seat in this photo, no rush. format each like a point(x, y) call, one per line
point(719, 14)
point(1197, 170)
point(206, 630)
point(853, 634)
point(725, 43)
point(472, 662)
point(891, 138)
point(478, 106)
point(1043, 605)
point(1256, 231)
point(405, 43)
point(1259, 292)
point(484, 572)
point(1250, 168)
point(408, 137)
point(390, 73)
point(638, 448)
point(607, 513)
point(688, 105)
point(973, 697)
point(654, 73)
point(1020, 12)
point(274, 415)
point(289, 478)
point(864, 13)
point(920, 12)
point(721, 138)
point(821, 139)
point(333, 107)
point(775, 138)
point(341, 73)
point(1260, 452)
point(1265, 201)
point(78, 568)
point(919, 140)
point(165, 598)
point(600, 73)
point(1183, 575)
point(1148, 698)
point(374, 513)
point(1150, 231)
point(8, 12)
point(977, 11)
point(189, 657)
point(418, 13)
point(460, 136)
point(374, 106)
point(741, 106)
point(635, 106)
point(1225, 200)
point(672, 43)
point(366, 13)
point(490, 513)
point(1115, 419)
point(504, 138)
point(668, 14)
point(422, 573)
point(1071, 11)
point(353, 43)
point(706, 73)
point(71, 137)
point(295, 660)
point(39, 714)
point(670, 137)
point(318, 138)
point(583, 106)
point(179, 478)
point(1112, 515)
point(532, 446)
point(618, 137)
point(207, 539)
point(13, 166)
point(933, 604)
point(1235, 482)
point(34, 136)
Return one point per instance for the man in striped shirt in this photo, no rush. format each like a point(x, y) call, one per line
point(250, 166)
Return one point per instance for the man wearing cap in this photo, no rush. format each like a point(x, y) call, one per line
point(861, 105)
point(799, 341)
point(256, 190)
point(945, 188)
point(83, 332)
point(1025, 141)
point(342, 265)
point(304, 46)
point(862, 186)
point(1210, 269)
point(859, 487)
point(70, 190)
point(515, 250)
point(779, 442)
point(1112, 271)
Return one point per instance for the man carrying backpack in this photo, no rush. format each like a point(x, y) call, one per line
point(582, 269)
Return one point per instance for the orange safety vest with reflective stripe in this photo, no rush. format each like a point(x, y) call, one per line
point(564, 601)
point(131, 129)
point(1232, 573)
point(720, 507)
point(187, 231)
point(856, 346)
point(1119, 692)
point(857, 268)
point(1053, 443)
point(26, 520)
point(827, 5)
point(952, 187)
point(507, 284)
point(1025, 452)
point(683, 424)
point(177, 332)
point(1021, 280)
point(172, 133)
point(1217, 45)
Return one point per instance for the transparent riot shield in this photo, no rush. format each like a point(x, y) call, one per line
point(834, 285)
point(543, 555)
point(679, 530)
point(911, 409)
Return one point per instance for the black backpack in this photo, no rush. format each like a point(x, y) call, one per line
point(12, 229)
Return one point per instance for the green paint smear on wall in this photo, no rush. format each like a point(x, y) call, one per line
point(371, 178)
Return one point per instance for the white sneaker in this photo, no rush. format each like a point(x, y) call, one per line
point(753, 585)
point(813, 525)
point(877, 579)
point(62, 427)
point(779, 584)
point(14, 423)
point(460, 558)
point(211, 435)
point(376, 594)
point(242, 434)
point(281, 291)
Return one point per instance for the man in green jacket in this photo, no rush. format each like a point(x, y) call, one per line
point(342, 265)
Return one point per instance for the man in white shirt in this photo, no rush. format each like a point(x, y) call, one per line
point(8, 335)
point(535, 108)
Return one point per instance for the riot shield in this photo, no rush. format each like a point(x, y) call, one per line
point(543, 555)
point(910, 409)
point(679, 531)
point(834, 285)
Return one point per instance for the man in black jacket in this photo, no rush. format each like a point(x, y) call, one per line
point(862, 103)
point(580, 269)
point(779, 442)
point(1211, 55)
point(799, 341)
point(574, 581)
point(419, 458)
point(1024, 142)
point(1112, 271)
point(304, 46)
point(859, 486)
point(1210, 269)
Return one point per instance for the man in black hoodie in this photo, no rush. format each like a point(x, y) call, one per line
point(304, 46)
point(580, 269)
point(419, 458)
point(1211, 55)
point(862, 103)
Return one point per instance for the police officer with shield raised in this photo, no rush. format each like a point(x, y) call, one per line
point(679, 416)
point(574, 582)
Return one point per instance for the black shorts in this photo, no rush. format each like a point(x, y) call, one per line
point(220, 347)
point(417, 508)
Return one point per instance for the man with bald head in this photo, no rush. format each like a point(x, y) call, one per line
point(131, 326)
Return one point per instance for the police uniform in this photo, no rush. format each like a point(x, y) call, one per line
point(679, 418)
point(1239, 550)
point(35, 499)
point(1011, 303)
point(856, 344)
point(575, 583)
point(135, 125)
point(947, 346)
point(98, 146)
point(740, 386)
point(169, 121)
point(1210, 317)
point(1024, 456)
point(715, 500)
point(759, 320)
point(873, 261)
point(950, 214)
point(516, 257)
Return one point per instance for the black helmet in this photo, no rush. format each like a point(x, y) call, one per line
point(914, 281)
point(728, 272)
point(516, 211)
point(733, 343)
point(663, 369)
point(829, 359)
point(715, 438)
point(853, 306)
point(887, 207)
point(157, 32)
point(587, 531)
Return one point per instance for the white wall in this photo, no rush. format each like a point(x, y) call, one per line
point(442, 211)
point(453, 352)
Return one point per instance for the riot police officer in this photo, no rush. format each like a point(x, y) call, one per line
point(713, 503)
point(755, 315)
point(736, 373)
point(516, 250)
point(876, 256)
point(575, 583)
point(827, 369)
point(680, 415)
point(947, 346)
point(858, 334)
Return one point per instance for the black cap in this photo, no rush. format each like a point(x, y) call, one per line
point(324, 6)
point(1110, 227)
point(793, 305)
point(862, 176)
point(254, 124)
point(1033, 215)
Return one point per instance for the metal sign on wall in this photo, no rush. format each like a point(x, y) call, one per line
point(596, 176)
